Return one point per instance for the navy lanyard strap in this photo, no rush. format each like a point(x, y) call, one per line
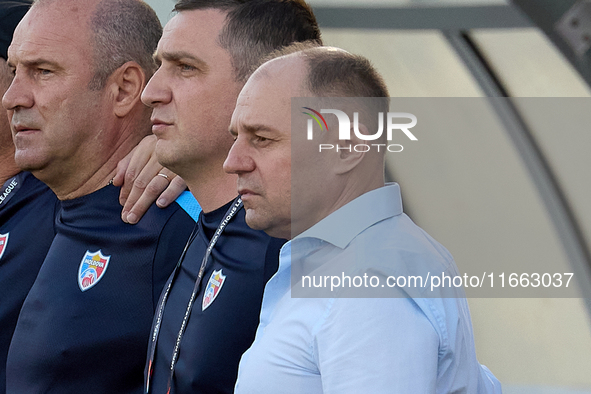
point(234, 208)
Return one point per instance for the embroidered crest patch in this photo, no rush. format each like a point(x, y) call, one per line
point(3, 243)
point(92, 269)
point(213, 288)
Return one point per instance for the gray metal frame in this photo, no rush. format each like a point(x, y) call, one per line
point(546, 14)
point(422, 17)
point(561, 213)
point(455, 23)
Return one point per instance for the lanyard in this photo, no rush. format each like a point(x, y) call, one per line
point(9, 188)
point(235, 207)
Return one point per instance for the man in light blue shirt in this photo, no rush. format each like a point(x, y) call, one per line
point(362, 334)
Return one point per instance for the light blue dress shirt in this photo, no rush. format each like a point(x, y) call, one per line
point(364, 345)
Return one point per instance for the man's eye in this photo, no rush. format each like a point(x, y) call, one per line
point(44, 71)
point(186, 67)
point(262, 141)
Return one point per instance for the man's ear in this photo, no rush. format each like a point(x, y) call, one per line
point(126, 84)
point(351, 151)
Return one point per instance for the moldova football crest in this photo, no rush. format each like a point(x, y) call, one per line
point(3, 243)
point(92, 269)
point(213, 288)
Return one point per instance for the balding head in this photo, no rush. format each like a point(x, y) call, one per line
point(74, 103)
point(286, 183)
point(261, 154)
point(120, 31)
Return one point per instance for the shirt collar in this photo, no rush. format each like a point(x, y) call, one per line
point(340, 227)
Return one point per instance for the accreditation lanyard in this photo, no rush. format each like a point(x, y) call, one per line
point(236, 205)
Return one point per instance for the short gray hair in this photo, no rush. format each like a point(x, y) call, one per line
point(336, 73)
point(122, 31)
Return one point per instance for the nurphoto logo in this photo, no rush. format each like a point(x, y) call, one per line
point(393, 124)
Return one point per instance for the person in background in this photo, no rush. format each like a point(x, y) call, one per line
point(343, 219)
point(27, 207)
point(75, 112)
point(208, 313)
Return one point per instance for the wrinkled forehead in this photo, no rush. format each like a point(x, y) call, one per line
point(265, 100)
point(57, 25)
point(279, 79)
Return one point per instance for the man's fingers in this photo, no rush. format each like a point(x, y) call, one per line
point(176, 187)
point(121, 170)
point(134, 196)
point(137, 161)
point(141, 197)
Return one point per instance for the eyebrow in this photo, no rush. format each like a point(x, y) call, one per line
point(179, 56)
point(36, 63)
point(251, 129)
point(257, 127)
